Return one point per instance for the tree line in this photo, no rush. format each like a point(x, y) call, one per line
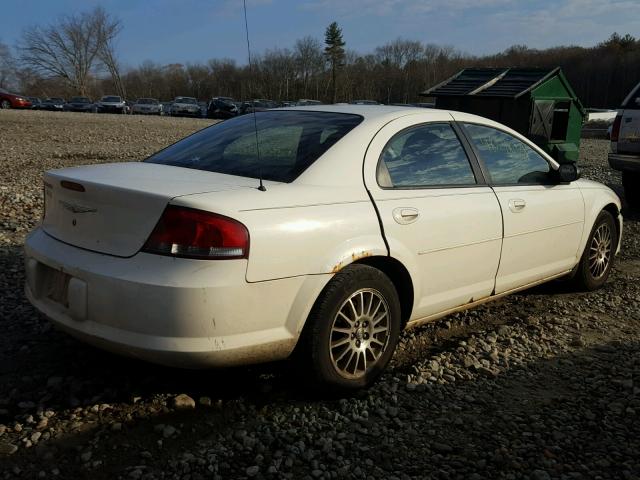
point(76, 56)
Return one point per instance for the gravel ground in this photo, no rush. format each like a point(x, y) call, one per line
point(540, 385)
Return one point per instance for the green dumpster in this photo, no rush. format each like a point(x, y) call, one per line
point(538, 103)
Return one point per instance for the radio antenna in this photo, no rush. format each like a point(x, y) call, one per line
point(255, 121)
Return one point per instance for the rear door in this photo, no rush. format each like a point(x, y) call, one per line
point(543, 221)
point(440, 219)
point(629, 136)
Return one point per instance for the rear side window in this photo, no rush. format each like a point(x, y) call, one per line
point(285, 145)
point(424, 156)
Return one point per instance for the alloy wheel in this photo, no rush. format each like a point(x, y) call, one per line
point(360, 333)
point(600, 251)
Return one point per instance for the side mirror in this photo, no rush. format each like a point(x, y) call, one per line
point(567, 173)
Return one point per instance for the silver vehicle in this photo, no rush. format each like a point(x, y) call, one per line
point(111, 104)
point(147, 106)
point(625, 145)
point(185, 107)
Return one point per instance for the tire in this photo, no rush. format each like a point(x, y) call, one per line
point(631, 184)
point(349, 312)
point(5, 104)
point(599, 253)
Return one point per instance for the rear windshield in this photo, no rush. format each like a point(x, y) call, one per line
point(80, 100)
point(147, 101)
point(111, 99)
point(289, 142)
point(185, 100)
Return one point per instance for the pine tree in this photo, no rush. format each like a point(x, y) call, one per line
point(334, 52)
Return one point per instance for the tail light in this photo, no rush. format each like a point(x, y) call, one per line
point(615, 129)
point(190, 233)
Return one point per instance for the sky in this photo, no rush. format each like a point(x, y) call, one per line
point(184, 31)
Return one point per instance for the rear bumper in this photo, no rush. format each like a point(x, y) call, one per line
point(176, 312)
point(621, 162)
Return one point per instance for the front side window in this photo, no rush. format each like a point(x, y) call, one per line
point(288, 142)
point(423, 156)
point(508, 160)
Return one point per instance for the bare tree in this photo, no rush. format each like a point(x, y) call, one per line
point(7, 66)
point(309, 61)
point(69, 48)
point(108, 28)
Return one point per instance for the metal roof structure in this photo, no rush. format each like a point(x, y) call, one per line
point(491, 82)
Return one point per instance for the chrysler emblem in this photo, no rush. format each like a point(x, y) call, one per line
point(75, 208)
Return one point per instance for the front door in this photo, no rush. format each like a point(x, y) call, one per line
point(543, 220)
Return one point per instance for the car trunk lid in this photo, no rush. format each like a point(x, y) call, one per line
point(112, 208)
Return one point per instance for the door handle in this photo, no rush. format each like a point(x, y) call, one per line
point(517, 205)
point(405, 215)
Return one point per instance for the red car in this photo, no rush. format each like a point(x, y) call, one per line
point(10, 100)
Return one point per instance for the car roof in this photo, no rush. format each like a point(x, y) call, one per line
point(368, 112)
point(331, 170)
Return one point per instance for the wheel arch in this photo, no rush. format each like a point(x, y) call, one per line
point(399, 276)
point(597, 200)
point(612, 208)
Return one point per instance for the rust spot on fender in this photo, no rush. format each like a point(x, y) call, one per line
point(355, 256)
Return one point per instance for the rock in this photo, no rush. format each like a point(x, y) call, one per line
point(252, 471)
point(136, 473)
point(184, 402)
point(205, 401)
point(116, 427)
point(7, 448)
point(168, 431)
point(85, 456)
point(504, 330)
point(540, 475)
point(441, 447)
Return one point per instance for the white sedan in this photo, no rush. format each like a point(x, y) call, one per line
point(323, 229)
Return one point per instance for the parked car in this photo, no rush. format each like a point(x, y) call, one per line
point(55, 104)
point(625, 146)
point(222, 107)
point(146, 106)
point(257, 106)
point(166, 107)
point(304, 102)
point(111, 104)
point(80, 104)
point(35, 102)
point(12, 100)
point(185, 107)
point(351, 224)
